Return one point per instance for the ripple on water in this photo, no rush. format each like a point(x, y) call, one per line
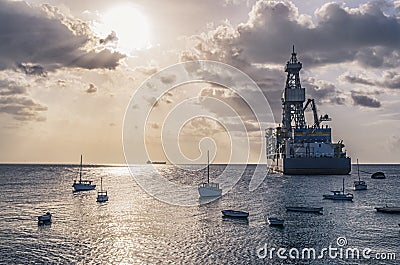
point(134, 228)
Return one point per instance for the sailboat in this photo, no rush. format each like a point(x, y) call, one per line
point(209, 189)
point(82, 185)
point(102, 194)
point(339, 195)
point(359, 184)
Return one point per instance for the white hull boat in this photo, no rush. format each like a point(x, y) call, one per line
point(82, 185)
point(339, 195)
point(274, 221)
point(359, 184)
point(102, 194)
point(209, 189)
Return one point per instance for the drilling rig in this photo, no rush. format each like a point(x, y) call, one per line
point(298, 148)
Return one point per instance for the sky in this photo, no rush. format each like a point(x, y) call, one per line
point(70, 70)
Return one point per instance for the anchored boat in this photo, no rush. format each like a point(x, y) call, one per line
point(235, 214)
point(275, 221)
point(388, 209)
point(359, 184)
point(305, 209)
point(378, 175)
point(102, 194)
point(82, 185)
point(209, 189)
point(44, 219)
point(339, 195)
point(297, 148)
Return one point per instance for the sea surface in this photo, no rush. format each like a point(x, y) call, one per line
point(135, 228)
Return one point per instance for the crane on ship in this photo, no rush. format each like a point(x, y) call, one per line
point(317, 121)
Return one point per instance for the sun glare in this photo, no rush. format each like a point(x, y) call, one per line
point(130, 27)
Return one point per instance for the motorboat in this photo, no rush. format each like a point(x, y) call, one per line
point(339, 195)
point(82, 185)
point(102, 194)
point(359, 184)
point(305, 209)
point(235, 214)
point(44, 219)
point(378, 175)
point(275, 221)
point(388, 209)
point(209, 189)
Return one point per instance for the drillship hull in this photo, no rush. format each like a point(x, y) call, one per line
point(313, 166)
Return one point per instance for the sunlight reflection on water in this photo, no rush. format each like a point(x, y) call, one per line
point(134, 228)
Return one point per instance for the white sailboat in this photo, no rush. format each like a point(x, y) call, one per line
point(102, 194)
point(359, 184)
point(82, 185)
point(209, 189)
point(339, 195)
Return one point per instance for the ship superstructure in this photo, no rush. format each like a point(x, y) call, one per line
point(296, 147)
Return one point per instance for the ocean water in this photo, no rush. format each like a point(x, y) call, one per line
point(135, 228)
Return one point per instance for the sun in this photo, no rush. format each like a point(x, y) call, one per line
point(130, 27)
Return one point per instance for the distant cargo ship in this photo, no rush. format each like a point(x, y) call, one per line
point(156, 162)
point(296, 148)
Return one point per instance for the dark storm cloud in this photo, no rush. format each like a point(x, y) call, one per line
point(32, 69)
point(389, 79)
point(358, 80)
point(365, 35)
point(364, 100)
point(319, 89)
point(46, 40)
point(16, 102)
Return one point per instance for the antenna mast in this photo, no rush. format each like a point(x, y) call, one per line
point(293, 97)
point(208, 166)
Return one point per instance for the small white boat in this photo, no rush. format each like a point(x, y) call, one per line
point(305, 209)
point(275, 221)
point(236, 214)
point(209, 189)
point(359, 184)
point(102, 194)
point(44, 219)
point(82, 185)
point(339, 195)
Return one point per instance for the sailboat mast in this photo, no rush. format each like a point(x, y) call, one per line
point(208, 166)
point(343, 185)
point(101, 184)
point(358, 170)
point(80, 171)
